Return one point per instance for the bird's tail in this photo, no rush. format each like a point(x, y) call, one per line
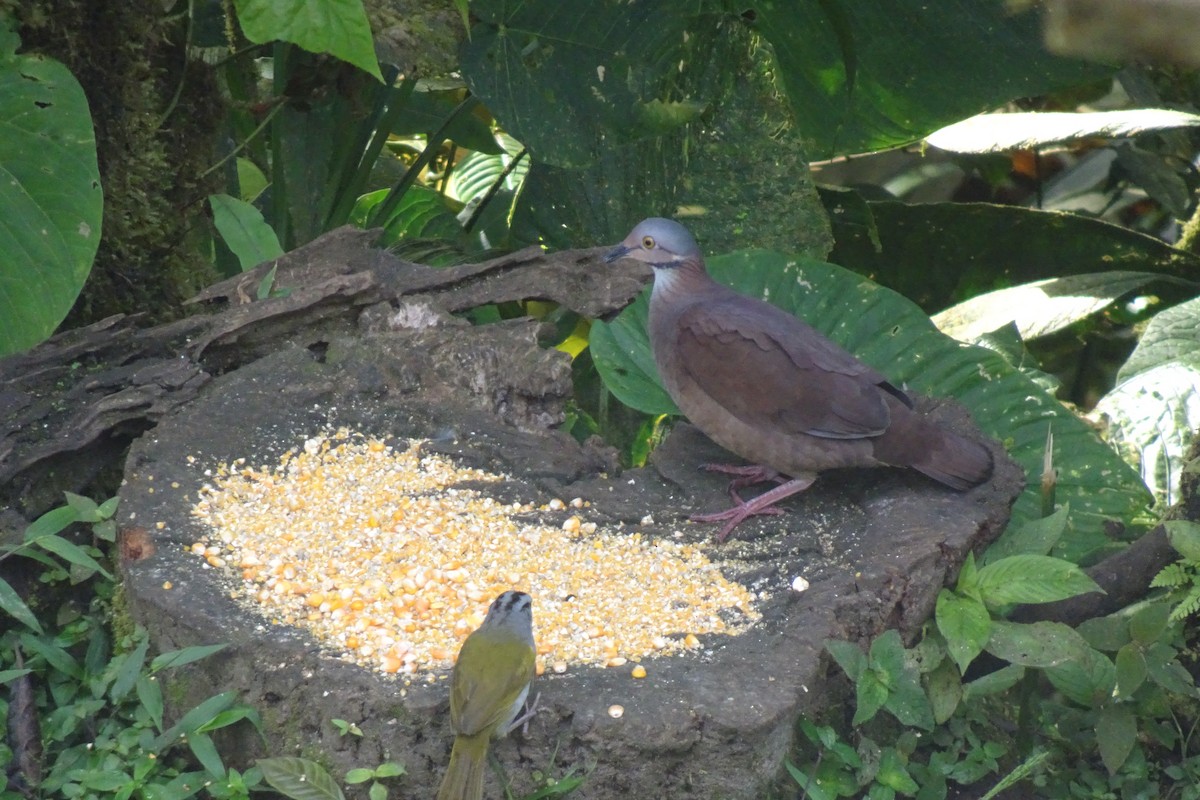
point(914, 441)
point(957, 462)
point(464, 775)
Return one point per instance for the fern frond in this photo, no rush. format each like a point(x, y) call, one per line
point(1188, 606)
point(1171, 576)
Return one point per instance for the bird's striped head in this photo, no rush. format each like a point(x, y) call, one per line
point(512, 608)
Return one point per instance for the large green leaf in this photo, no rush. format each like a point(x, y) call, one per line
point(561, 77)
point(1155, 408)
point(50, 197)
point(1037, 644)
point(421, 213)
point(244, 230)
point(1116, 734)
point(299, 778)
point(965, 624)
point(1029, 578)
point(1038, 536)
point(621, 351)
point(871, 75)
point(337, 27)
point(494, 180)
point(761, 190)
point(893, 335)
point(608, 151)
point(566, 208)
point(12, 605)
point(858, 76)
point(938, 253)
point(897, 670)
point(476, 173)
point(1089, 678)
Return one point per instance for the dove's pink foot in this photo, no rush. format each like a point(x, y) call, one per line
point(763, 504)
point(744, 475)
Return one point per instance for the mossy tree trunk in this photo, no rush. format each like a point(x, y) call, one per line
point(157, 115)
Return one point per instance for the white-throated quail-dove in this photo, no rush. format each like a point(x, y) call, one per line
point(767, 386)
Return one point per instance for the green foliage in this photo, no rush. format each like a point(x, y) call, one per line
point(312, 184)
point(267, 287)
point(563, 83)
point(1094, 707)
point(42, 543)
point(414, 158)
point(50, 198)
point(244, 231)
point(337, 27)
point(868, 770)
point(886, 678)
point(420, 213)
point(1042, 307)
point(480, 170)
point(1027, 578)
point(872, 97)
point(603, 157)
point(1035, 537)
point(86, 713)
point(551, 787)
point(302, 779)
point(299, 778)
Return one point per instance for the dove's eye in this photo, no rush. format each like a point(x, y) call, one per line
point(648, 242)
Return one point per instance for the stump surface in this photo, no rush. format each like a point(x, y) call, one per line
point(876, 545)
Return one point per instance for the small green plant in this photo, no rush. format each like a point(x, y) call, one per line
point(85, 712)
point(1182, 578)
point(845, 771)
point(61, 557)
point(299, 778)
point(377, 791)
point(1098, 711)
point(345, 727)
point(304, 779)
point(551, 787)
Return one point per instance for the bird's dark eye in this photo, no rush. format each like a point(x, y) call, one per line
point(648, 242)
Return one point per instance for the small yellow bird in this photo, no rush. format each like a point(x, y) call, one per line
point(487, 689)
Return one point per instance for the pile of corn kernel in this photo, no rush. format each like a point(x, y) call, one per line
point(374, 550)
